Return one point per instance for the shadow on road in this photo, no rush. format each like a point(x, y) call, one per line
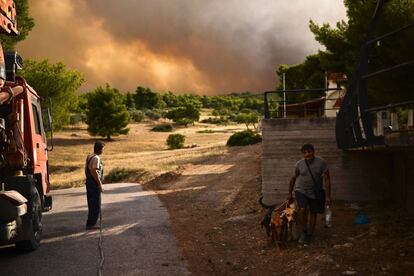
point(137, 238)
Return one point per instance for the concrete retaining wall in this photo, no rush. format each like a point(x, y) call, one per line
point(356, 175)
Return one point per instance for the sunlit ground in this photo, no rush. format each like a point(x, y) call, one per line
point(139, 155)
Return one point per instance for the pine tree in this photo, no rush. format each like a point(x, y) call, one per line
point(25, 24)
point(107, 115)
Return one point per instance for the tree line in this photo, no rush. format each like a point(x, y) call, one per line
point(108, 111)
point(342, 47)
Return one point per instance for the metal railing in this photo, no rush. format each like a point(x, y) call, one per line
point(355, 121)
point(282, 103)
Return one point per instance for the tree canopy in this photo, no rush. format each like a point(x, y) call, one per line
point(107, 114)
point(308, 74)
point(147, 99)
point(25, 24)
point(129, 101)
point(247, 117)
point(184, 115)
point(56, 82)
point(343, 44)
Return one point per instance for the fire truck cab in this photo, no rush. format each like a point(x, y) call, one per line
point(24, 177)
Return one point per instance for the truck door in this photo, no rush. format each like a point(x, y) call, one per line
point(39, 143)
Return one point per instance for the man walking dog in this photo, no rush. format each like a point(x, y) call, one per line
point(94, 188)
point(311, 173)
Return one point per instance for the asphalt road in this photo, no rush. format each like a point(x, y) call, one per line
point(137, 237)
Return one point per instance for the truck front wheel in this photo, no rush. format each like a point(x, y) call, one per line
point(32, 226)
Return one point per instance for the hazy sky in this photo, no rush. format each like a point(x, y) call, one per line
point(199, 46)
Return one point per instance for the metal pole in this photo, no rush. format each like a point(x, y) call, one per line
point(326, 92)
point(266, 107)
point(284, 95)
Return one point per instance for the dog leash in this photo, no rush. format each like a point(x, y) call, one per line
point(281, 206)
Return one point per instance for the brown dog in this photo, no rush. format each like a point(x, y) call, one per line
point(290, 214)
point(280, 222)
point(278, 228)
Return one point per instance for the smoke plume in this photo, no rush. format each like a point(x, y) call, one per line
point(204, 47)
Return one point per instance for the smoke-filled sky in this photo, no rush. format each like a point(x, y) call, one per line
point(199, 46)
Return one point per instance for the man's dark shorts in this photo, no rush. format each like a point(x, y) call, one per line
point(315, 205)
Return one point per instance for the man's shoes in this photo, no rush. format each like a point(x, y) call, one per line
point(94, 227)
point(303, 238)
point(308, 239)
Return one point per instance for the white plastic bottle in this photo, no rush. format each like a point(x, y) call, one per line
point(328, 216)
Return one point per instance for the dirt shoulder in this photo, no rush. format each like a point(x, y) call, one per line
point(216, 218)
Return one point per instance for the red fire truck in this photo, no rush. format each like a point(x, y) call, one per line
point(24, 181)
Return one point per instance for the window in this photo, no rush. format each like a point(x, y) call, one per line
point(36, 119)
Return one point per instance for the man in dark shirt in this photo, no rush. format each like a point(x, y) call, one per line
point(311, 173)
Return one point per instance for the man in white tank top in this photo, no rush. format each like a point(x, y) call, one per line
point(94, 188)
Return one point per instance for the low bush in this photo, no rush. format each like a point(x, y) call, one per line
point(217, 121)
point(251, 118)
point(117, 175)
point(222, 112)
point(154, 114)
point(162, 128)
point(175, 141)
point(137, 116)
point(244, 138)
point(205, 131)
point(184, 122)
point(77, 118)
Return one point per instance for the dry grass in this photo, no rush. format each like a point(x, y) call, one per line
point(138, 156)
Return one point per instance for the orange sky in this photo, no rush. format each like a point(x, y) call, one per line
point(203, 47)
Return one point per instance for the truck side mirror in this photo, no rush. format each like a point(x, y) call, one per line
point(13, 62)
point(47, 119)
point(47, 124)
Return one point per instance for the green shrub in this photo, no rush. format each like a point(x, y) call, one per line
point(184, 122)
point(77, 118)
point(175, 141)
point(217, 121)
point(162, 128)
point(184, 115)
point(137, 116)
point(251, 118)
point(154, 115)
point(222, 112)
point(205, 131)
point(117, 175)
point(244, 138)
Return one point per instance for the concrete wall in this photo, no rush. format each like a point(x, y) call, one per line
point(403, 188)
point(355, 175)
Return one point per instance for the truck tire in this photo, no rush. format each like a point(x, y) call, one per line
point(33, 226)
